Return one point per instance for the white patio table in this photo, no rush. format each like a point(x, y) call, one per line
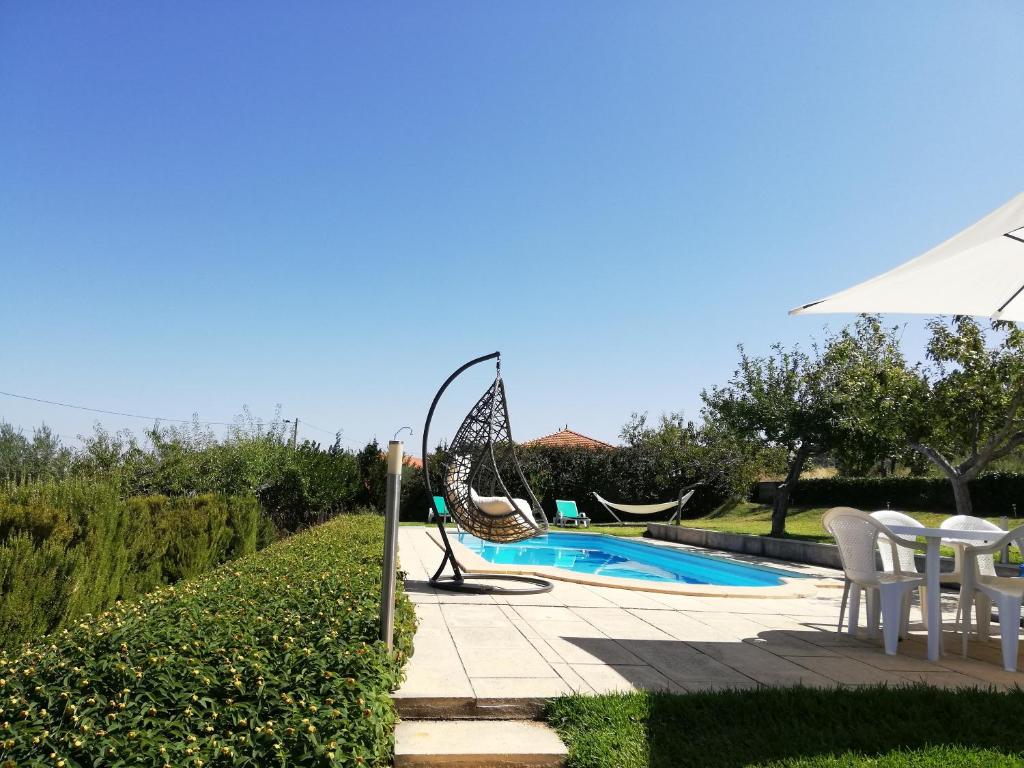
point(934, 538)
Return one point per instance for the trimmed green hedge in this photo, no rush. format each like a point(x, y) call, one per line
point(72, 548)
point(992, 494)
point(268, 661)
point(626, 475)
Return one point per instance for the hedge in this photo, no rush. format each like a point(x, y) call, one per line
point(992, 494)
point(72, 548)
point(627, 475)
point(268, 661)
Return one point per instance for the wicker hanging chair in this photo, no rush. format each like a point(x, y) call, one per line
point(483, 486)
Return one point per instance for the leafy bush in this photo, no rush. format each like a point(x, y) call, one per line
point(311, 486)
point(268, 661)
point(301, 485)
point(634, 475)
point(72, 548)
point(992, 494)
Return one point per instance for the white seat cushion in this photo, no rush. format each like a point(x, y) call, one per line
point(498, 505)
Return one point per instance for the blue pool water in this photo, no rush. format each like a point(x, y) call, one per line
point(623, 558)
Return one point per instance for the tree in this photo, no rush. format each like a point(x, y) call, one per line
point(974, 395)
point(873, 395)
point(373, 470)
point(14, 449)
point(775, 401)
point(845, 393)
point(676, 453)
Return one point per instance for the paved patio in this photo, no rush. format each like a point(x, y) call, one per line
point(587, 639)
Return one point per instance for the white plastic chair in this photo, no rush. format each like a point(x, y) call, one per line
point(895, 559)
point(1006, 593)
point(898, 556)
point(856, 534)
point(985, 563)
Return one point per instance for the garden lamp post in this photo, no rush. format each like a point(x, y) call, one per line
point(391, 507)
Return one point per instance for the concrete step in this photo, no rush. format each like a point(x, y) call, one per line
point(477, 743)
point(468, 707)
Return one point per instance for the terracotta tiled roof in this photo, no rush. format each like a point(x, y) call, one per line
point(567, 438)
point(410, 461)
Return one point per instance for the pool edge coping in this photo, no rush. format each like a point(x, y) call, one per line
point(471, 562)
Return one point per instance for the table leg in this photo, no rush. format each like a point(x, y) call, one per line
point(934, 601)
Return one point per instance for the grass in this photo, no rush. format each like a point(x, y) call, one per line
point(910, 727)
point(804, 522)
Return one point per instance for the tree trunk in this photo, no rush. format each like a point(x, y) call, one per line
point(959, 480)
point(780, 505)
point(962, 496)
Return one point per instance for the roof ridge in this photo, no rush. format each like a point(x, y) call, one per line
point(569, 432)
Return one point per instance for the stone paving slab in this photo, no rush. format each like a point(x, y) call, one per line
point(616, 678)
point(594, 639)
point(479, 744)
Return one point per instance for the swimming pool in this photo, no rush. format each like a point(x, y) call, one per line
point(602, 555)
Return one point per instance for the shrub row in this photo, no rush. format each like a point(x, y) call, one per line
point(268, 661)
point(72, 548)
point(992, 494)
point(629, 475)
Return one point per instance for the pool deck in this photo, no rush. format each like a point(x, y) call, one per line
point(488, 651)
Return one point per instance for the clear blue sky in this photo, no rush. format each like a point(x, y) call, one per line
point(332, 205)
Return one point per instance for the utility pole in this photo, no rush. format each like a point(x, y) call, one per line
point(295, 431)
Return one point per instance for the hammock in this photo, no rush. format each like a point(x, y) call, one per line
point(649, 509)
point(483, 485)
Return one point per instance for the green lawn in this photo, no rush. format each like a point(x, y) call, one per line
point(793, 728)
point(804, 522)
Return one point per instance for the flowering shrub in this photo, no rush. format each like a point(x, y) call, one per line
point(270, 660)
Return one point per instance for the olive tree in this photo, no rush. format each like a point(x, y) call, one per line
point(851, 391)
point(972, 413)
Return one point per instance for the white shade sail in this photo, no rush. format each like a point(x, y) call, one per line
point(977, 272)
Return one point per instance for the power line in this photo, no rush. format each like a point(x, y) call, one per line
point(320, 429)
point(158, 418)
point(334, 433)
point(118, 413)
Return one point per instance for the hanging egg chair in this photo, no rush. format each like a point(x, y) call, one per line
point(483, 487)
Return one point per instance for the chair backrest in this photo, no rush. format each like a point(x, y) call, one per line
point(567, 508)
point(904, 555)
point(986, 563)
point(440, 506)
point(856, 534)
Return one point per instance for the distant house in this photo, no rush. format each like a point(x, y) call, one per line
point(567, 438)
point(415, 462)
point(563, 438)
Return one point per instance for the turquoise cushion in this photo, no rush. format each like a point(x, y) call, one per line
point(567, 508)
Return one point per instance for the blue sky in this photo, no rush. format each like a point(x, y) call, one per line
point(330, 206)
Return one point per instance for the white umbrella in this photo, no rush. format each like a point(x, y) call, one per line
point(978, 272)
